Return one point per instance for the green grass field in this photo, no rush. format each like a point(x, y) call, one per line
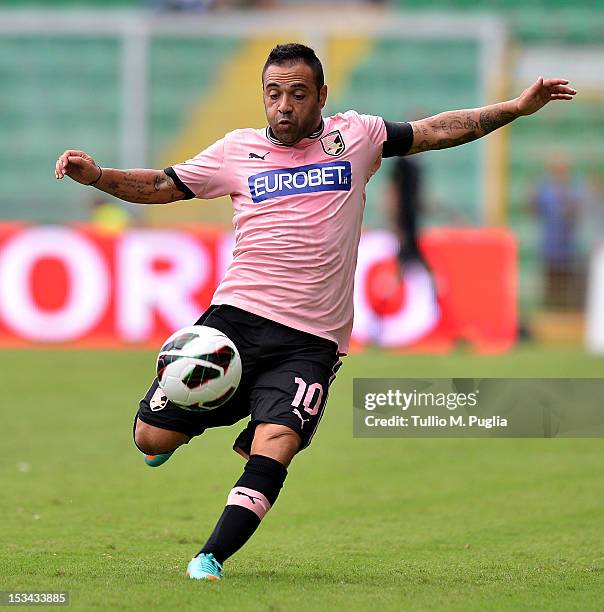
point(361, 524)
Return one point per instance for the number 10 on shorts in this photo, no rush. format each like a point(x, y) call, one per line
point(309, 396)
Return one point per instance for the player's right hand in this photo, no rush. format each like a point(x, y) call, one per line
point(78, 166)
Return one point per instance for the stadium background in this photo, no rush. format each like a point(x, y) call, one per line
point(142, 84)
point(154, 87)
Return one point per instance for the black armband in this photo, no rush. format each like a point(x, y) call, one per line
point(181, 186)
point(399, 138)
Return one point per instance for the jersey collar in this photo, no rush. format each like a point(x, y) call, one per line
point(304, 142)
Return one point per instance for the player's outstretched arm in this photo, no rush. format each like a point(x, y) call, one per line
point(142, 186)
point(454, 128)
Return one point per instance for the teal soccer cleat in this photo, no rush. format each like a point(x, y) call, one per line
point(157, 460)
point(204, 567)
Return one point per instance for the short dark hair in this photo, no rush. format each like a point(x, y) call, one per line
point(295, 52)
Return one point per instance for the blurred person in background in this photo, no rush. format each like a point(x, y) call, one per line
point(557, 203)
point(405, 203)
point(109, 217)
point(592, 218)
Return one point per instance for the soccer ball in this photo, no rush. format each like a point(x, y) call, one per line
point(198, 368)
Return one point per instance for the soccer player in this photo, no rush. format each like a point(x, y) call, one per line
point(298, 192)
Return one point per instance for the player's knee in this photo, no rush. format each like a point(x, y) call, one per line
point(276, 441)
point(154, 440)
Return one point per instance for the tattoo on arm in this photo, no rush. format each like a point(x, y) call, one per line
point(455, 128)
point(141, 186)
point(491, 120)
point(444, 131)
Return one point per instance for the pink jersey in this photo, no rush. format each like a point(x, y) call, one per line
point(297, 216)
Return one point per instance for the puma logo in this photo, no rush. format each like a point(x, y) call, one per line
point(256, 156)
point(251, 497)
point(297, 413)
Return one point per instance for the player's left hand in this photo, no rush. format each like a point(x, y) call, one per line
point(541, 92)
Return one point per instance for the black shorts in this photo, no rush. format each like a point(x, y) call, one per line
point(285, 380)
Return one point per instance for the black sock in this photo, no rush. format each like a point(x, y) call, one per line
point(249, 500)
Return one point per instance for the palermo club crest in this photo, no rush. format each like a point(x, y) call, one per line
point(333, 143)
